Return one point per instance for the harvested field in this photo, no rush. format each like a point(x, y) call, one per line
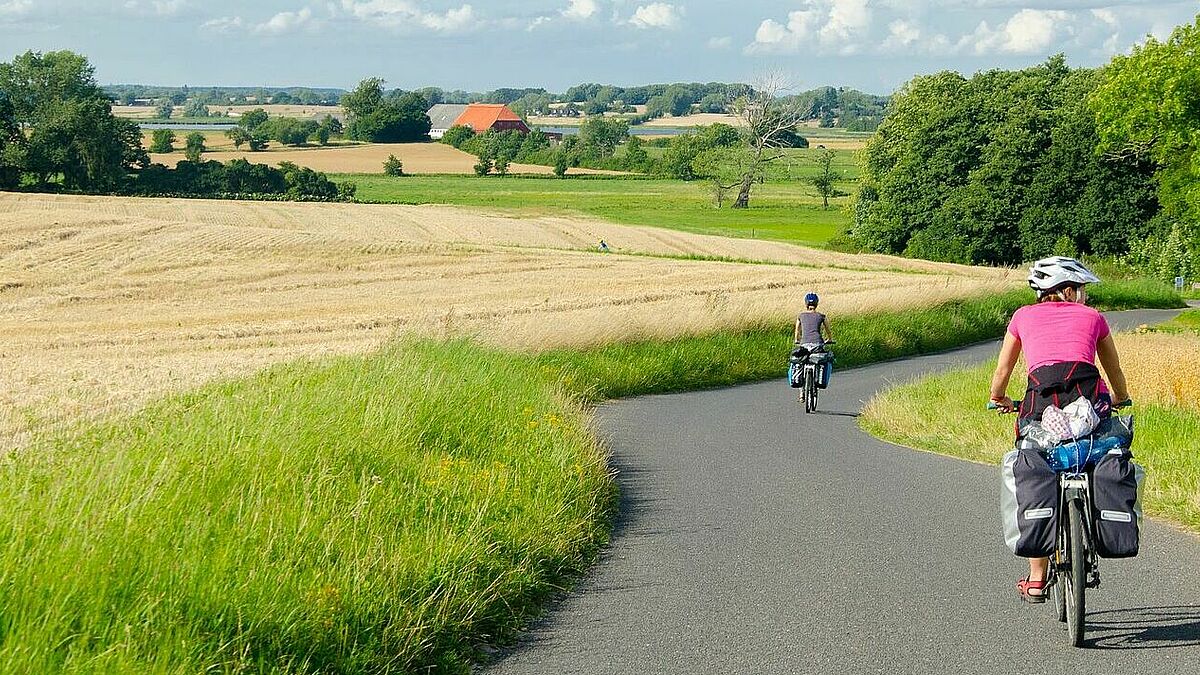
point(108, 302)
point(368, 158)
point(297, 111)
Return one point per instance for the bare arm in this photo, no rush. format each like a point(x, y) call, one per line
point(1009, 352)
point(796, 333)
point(825, 329)
point(1106, 349)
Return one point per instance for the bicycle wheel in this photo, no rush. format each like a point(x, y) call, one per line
point(810, 390)
point(1076, 577)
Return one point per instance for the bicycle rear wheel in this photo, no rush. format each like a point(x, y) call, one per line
point(806, 391)
point(812, 390)
point(1076, 577)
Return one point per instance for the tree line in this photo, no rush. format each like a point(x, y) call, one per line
point(58, 132)
point(1009, 166)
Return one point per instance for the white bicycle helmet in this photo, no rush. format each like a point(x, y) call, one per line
point(1051, 274)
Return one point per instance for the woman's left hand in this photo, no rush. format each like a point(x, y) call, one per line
point(1004, 404)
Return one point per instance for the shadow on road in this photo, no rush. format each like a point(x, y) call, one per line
point(837, 413)
point(1145, 628)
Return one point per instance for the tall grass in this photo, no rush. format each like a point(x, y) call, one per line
point(374, 514)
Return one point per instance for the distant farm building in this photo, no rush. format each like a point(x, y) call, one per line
point(479, 116)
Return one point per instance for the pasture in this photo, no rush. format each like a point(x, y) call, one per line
point(779, 211)
point(110, 302)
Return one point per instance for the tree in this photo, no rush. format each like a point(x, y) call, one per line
point(329, 126)
point(372, 118)
point(253, 119)
point(393, 166)
point(824, 180)
point(1148, 106)
point(196, 108)
point(502, 162)
point(162, 141)
point(636, 158)
point(239, 136)
point(194, 146)
point(164, 110)
point(600, 136)
point(457, 135)
point(998, 168)
point(561, 164)
point(484, 166)
point(67, 129)
point(767, 122)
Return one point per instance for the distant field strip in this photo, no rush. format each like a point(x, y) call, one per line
point(107, 302)
point(435, 158)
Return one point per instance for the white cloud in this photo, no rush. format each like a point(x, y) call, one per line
point(656, 15)
point(285, 22)
point(156, 7)
point(225, 24)
point(580, 10)
point(902, 33)
point(823, 25)
point(15, 7)
point(406, 14)
point(720, 42)
point(1029, 31)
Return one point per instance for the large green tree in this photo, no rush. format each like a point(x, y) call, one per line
point(374, 117)
point(998, 168)
point(1148, 109)
point(68, 129)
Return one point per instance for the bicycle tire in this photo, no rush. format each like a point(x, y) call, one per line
point(1060, 601)
point(1076, 578)
point(810, 388)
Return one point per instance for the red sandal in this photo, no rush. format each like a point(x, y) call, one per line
point(1025, 585)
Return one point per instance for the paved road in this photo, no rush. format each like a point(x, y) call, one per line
point(756, 539)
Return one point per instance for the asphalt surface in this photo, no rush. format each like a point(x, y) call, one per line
point(754, 538)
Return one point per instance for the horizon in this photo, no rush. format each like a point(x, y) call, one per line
point(874, 46)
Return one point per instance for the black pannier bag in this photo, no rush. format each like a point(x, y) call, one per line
point(1116, 509)
point(796, 366)
point(1029, 503)
point(1059, 384)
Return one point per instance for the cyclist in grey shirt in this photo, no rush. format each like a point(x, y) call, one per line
point(812, 331)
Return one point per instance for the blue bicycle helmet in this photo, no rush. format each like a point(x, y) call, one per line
point(811, 300)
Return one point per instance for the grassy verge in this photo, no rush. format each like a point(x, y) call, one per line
point(373, 514)
point(382, 513)
point(783, 211)
point(1168, 421)
point(914, 415)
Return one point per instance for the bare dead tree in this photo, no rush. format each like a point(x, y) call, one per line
point(768, 122)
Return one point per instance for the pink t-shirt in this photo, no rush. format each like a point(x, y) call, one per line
point(1057, 332)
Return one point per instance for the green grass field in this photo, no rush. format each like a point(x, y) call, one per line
point(780, 211)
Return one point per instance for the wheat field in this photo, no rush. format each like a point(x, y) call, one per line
point(106, 303)
point(361, 158)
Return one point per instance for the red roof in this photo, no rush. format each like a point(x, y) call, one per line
point(484, 116)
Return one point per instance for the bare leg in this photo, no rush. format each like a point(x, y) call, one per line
point(1038, 567)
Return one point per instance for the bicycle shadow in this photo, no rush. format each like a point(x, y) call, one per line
point(1145, 628)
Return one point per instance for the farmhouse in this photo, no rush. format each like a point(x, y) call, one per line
point(479, 116)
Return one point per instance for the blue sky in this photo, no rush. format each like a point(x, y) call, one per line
point(874, 45)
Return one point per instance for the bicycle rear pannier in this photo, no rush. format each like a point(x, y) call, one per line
point(1116, 487)
point(1029, 503)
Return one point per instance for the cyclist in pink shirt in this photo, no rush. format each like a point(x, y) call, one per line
point(1059, 329)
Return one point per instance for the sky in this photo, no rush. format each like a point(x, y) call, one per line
point(872, 45)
